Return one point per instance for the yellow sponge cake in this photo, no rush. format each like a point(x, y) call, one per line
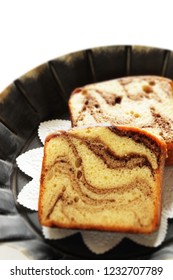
point(102, 178)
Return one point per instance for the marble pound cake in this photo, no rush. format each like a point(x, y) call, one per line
point(105, 178)
point(141, 101)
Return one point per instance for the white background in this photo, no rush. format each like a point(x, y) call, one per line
point(35, 31)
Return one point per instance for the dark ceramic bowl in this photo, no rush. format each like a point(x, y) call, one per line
point(42, 94)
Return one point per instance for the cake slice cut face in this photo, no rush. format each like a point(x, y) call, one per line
point(145, 102)
point(102, 178)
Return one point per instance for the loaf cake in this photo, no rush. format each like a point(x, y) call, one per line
point(105, 178)
point(145, 102)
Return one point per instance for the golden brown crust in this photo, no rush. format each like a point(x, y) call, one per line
point(169, 159)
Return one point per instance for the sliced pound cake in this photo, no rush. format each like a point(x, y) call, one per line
point(142, 101)
point(102, 178)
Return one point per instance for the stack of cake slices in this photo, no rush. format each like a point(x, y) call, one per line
point(106, 172)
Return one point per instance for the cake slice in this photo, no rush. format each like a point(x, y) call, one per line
point(102, 178)
point(141, 101)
